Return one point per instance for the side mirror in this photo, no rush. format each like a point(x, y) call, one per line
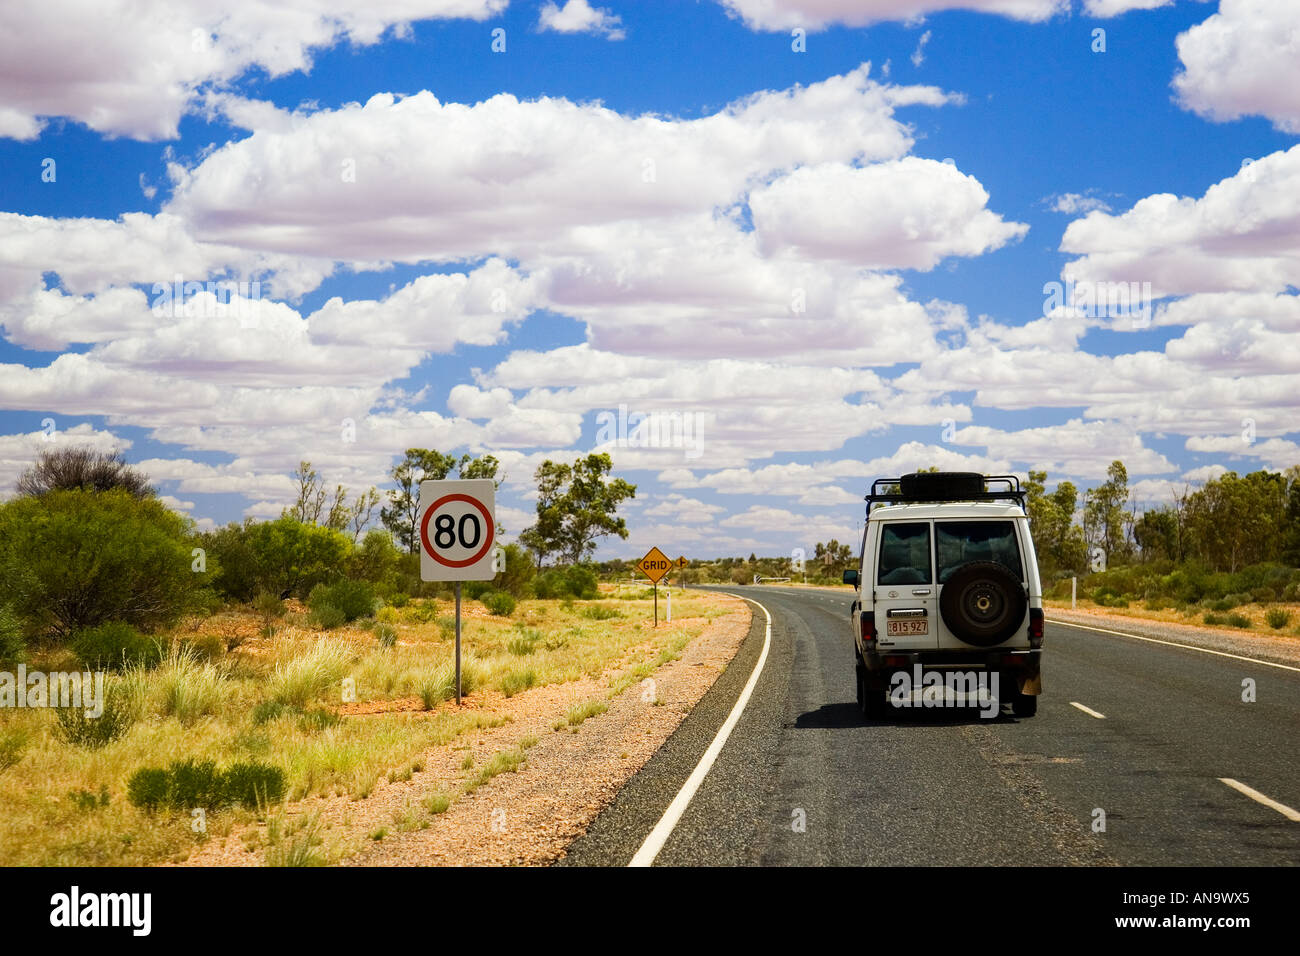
point(851, 577)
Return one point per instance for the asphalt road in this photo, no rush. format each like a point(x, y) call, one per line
point(805, 780)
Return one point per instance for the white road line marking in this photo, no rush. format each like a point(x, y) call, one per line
point(664, 828)
point(1282, 808)
point(1087, 710)
point(1189, 647)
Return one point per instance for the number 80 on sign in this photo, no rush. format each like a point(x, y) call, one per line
point(457, 530)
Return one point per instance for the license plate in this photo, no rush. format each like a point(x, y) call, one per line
point(908, 628)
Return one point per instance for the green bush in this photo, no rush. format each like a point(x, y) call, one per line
point(283, 557)
point(517, 579)
point(1238, 620)
point(13, 647)
point(474, 590)
point(600, 612)
point(376, 560)
point(266, 711)
point(190, 784)
point(577, 582)
point(327, 616)
point(72, 560)
point(13, 743)
point(252, 784)
point(1277, 618)
point(195, 783)
point(79, 730)
point(1263, 595)
point(148, 788)
point(115, 645)
point(499, 603)
point(353, 598)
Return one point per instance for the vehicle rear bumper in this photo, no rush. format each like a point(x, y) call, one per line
point(1024, 665)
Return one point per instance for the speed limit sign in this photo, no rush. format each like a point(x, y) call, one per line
point(457, 529)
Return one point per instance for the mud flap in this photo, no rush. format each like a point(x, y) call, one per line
point(1032, 686)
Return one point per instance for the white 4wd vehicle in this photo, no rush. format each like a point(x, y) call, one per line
point(948, 583)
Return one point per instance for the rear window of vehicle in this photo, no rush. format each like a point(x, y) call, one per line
point(960, 542)
point(904, 553)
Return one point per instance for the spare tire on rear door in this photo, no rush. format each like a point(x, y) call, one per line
point(941, 485)
point(983, 603)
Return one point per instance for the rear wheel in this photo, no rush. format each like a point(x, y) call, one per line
point(871, 696)
point(1024, 705)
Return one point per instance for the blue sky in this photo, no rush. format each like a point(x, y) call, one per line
point(809, 270)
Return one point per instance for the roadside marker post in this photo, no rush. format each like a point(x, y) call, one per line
point(456, 523)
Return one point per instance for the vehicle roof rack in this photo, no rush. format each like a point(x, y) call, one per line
point(889, 491)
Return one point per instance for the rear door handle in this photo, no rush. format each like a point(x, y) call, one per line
point(920, 592)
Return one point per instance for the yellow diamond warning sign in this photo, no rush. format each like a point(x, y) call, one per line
point(655, 565)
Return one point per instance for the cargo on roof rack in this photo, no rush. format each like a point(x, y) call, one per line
point(937, 486)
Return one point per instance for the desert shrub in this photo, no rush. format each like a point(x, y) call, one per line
point(1277, 618)
point(13, 646)
point(283, 557)
point(499, 603)
point(190, 784)
point(1238, 620)
point(147, 788)
point(1212, 619)
point(195, 783)
point(205, 647)
point(474, 590)
point(578, 581)
point(266, 711)
point(327, 616)
point(1263, 595)
point(517, 681)
point(353, 598)
point(399, 599)
point(268, 606)
point(115, 644)
point(252, 784)
point(386, 635)
point(600, 612)
point(524, 643)
point(72, 560)
point(13, 743)
point(113, 723)
point(1237, 599)
point(517, 579)
point(377, 561)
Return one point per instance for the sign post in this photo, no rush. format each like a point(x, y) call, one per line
point(457, 527)
point(654, 566)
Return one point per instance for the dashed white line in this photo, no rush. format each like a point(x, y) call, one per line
point(1282, 808)
point(664, 828)
point(1187, 647)
point(1087, 710)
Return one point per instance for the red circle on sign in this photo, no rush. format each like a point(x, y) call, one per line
point(424, 531)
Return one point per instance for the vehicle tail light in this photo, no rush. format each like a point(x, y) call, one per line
point(867, 625)
point(1035, 627)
